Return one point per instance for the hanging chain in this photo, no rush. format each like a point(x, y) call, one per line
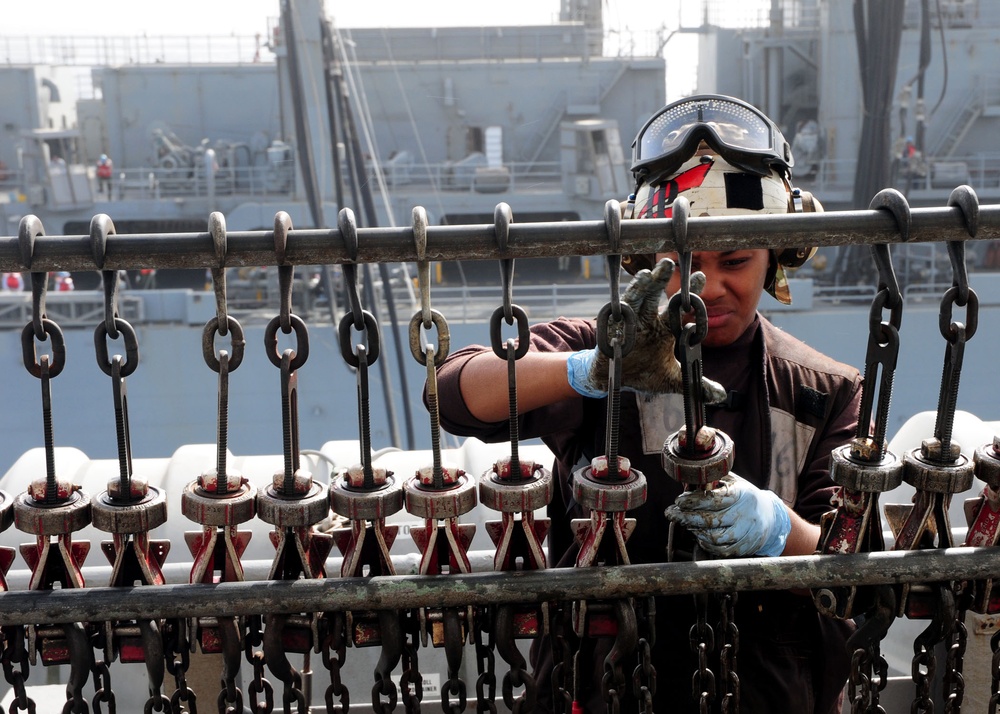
point(702, 640)
point(922, 670)
point(729, 648)
point(868, 678)
point(486, 683)
point(994, 670)
point(954, 681)
point(562, 662)
point(102, 688)
point(644, 675)
point(333, 652)
point(14, 659)
point(411, 682)
point(183, 699)
point(260, 686)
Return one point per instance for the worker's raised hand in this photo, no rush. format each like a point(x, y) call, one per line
point(650, 367)
point(734, 519)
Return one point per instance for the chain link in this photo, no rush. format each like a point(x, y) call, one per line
point(260, 686)
point(562, 660)
point(333, 652)
point(411, 676)
point(868, 677)
point(954, 681)
point(486, 683)
point(102, 687)
point(15, 668)
point(729, 647)
point(178, 663)
point(922, 670)
point(995, 670)
point(702, 640)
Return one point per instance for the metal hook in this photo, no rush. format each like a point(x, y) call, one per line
point(101, 228)
point(965, 199)
point(348, 226)
point(28, 230)
point(282, 227)
point(217, 227)
point(681, 210)
point(613, 226)
point(891, 200)
point(419, 218)
point(502, 218)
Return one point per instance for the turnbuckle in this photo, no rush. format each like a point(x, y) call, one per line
point(52, 508)
point(439, 493)
point(293, 503)
point(6, 521)
point(365, 494)
point(855, 527)
point(983, 516)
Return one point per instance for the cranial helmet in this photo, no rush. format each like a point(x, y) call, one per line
point(727, 158)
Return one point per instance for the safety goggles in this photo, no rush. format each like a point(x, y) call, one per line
point(740, 133)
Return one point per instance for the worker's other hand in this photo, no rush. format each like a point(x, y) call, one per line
point(734, 519)
point(650, 367)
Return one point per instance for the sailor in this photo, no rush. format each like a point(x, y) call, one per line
point(785, 406)
point(105, 168)
point(13, 282)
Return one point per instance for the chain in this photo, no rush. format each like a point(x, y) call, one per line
point(333, 652)
point(230, 699)
point(644, 678)
point(411, 676)
point(486, 684)
point(702, 639)
point(729, 648)
point(859, 684)
point(868, 677)
point(15, 668)
point(562, 659)
point(626, 641)
point(102, 687)
point(453, 643)
point(922, 670)
point(995, 667)
point(687, 336)
point(177, 666)
point(260, 686)
point(391, 634)
point(954, 681)
point(292, 693)
point(520, 677)
point(644, 675)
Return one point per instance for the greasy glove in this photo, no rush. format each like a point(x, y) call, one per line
point(650, 367)
point(734, 519)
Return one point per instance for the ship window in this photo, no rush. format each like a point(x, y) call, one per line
point(475, 140)
point(600, 142)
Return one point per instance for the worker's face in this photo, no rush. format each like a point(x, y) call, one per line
point(734, 281)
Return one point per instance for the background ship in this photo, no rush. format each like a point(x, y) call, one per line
point(455, 120)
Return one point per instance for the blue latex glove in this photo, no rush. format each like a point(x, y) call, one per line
point(583, 376)
point(735, 519)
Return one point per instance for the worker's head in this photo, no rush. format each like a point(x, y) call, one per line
point(726, 158)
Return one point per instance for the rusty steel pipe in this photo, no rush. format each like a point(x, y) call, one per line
point(478, 242)
point(405, 592)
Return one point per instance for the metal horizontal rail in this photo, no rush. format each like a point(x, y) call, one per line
point(469, 242)
point(404, 592)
